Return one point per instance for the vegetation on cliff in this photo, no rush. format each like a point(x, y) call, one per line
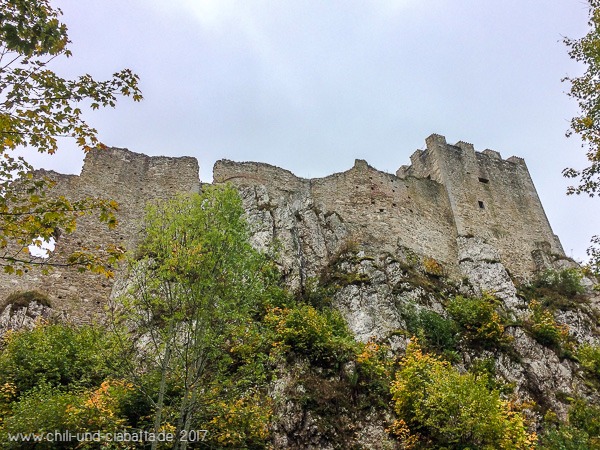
point(205, 338)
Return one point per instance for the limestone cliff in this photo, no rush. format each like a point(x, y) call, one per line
point(455, 222)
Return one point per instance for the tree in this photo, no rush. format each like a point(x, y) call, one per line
point(435, 402)
point(194, 282)
point(586, 90)
point(37, 108)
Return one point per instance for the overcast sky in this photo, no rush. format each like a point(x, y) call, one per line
point(311, 85)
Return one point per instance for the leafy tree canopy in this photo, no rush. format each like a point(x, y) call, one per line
point(586, 90)
point(37, 108)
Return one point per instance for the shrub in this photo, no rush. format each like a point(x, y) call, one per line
point(433, 267)
point(586, 417)
point(566, 282)
point(437, 404)
point(434, 331)
point(589, 358)
point(321, 336)
point(564, 437)
point(240, 423)
point(582, 432)
point(555, 289)
point(374, 370)
point(479, 320)
point(57, 355)
point(546, 330)
point(46, 409)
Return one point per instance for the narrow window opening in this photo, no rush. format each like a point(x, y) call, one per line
point(381, 210)
point(481, 205)
point(372, 202)
point(394, 205)
point(484, 180)
point(429, 177)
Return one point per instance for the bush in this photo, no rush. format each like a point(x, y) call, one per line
point(582, 432)
point(480, 322)
point(321, 336)
point(46, 409)
point(565, 282)
point(586, 417)
point(373, 373)
point(437, 404)
point(57, 355)
point(545, 329)
point(564, 437)
point(589, 358)
point(555, 289)
point(434, 331)
point(433, 267)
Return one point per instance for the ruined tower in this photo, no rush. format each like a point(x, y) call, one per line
point(448, 194)
point(490, 197)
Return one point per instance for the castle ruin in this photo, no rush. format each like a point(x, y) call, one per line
point(448, 193)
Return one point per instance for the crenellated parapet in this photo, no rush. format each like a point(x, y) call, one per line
point(490, 197)
point(447, 192)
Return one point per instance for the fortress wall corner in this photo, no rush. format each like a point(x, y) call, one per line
point(132, 180)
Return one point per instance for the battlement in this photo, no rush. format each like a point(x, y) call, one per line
point(447, 191)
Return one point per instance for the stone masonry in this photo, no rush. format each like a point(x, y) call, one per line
point(448, 194)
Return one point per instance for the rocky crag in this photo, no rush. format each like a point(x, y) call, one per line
point(386, 246)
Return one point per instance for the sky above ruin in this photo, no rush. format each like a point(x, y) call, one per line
point(311, 85)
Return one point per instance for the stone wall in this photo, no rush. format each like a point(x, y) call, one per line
point(490, 198)
point(448, 192)
point(371, 209)
point(131, 179)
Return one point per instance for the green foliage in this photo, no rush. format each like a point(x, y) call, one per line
point(481, 324)
point(546, 330)
point(342, 270)
point(58, 355)
point(317, 294)
point(435, 332)
point(485, 369)
point(564, 437)
point(581, 432)
point(594, 253)
point(197, 289)
point(589, 358)
point(321, 336)
point(584, 90)
point(438, 405)
point(566, 282)
point(586, 417)
point(45, 410)
point(555, 289)
point(374, 372)
point(38, 107)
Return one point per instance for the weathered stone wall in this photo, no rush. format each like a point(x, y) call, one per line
point(491, 198)
point(314, 219)
point(425, 207)
point(131, 179)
